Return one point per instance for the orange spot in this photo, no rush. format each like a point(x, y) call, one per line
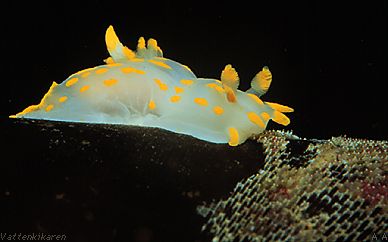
point(216, 87)
point(218, 110)
point(49, 108)
point(115, 64)
point(84, 88)
point(110, 82)
point(179, 90)
point(86, 74)
point(101, 71)
point(129, 69)
point(175, 99)
point(72, 81)
point(233, 137)
point(62, 99)
point(255, 98)
point(137, 60)
point(161, 85)
point(186, 82)
point(151, 105)
point(201, 101)
point(160, 63)
point(254, 118)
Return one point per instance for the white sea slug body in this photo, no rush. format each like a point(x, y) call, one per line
point(143, 88)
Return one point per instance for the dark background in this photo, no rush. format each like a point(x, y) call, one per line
point(328, 59)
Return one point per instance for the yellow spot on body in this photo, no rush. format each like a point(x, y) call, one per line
point(265, 116)
point(161, 85)
point(175, 99)
point(49, 108)
point(62, 99)
point(115, 64)
point(254, 118)
point(84, 88)
point(186, 82)
point(218, 110)
point(179, 90)
point(216, 87)
point(129, 69)
point(255, 98)
point(110, 82)
point(280, 118)
point(160, 63)
point(86, 74)
point(233, 137)
point(128, 53)
point(101, 71)
point(201, 101)
point(137, 60)
point(72, 81)
point(151, 105)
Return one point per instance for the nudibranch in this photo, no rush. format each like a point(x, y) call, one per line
point(143, 88)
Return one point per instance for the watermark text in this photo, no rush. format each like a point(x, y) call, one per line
point(31, 237)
